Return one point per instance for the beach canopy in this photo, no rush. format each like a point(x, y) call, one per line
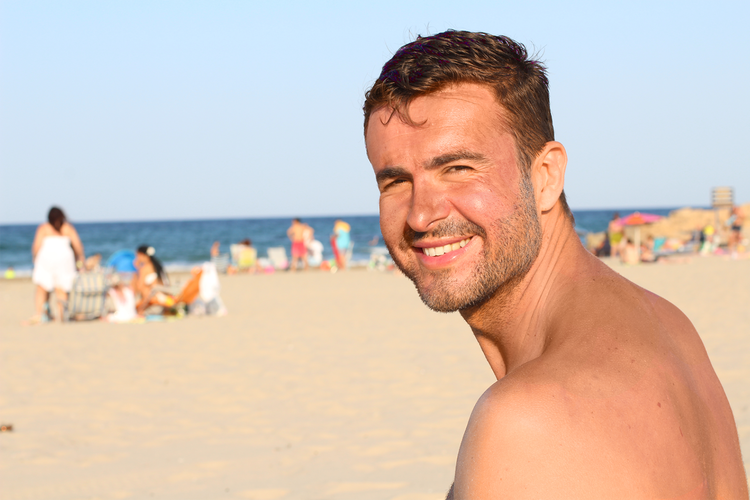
point(122, 261)
point(637, 219)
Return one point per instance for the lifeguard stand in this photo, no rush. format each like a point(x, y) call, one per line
point(722, 198)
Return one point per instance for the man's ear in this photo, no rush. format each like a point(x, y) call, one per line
point(548, 175)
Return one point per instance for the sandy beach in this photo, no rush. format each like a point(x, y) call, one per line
point(315, 386)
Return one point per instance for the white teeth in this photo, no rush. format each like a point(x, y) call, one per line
point(436, 251)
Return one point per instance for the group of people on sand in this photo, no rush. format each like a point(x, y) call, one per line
point(58, 256)
point(705, 240)
point(309, 251)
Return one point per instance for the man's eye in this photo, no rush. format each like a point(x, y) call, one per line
point(396, 182)
point(458, 168)
point(392, 183)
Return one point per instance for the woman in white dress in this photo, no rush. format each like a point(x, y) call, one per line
point(55, 251)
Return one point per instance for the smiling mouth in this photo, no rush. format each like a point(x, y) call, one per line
point(443, 249)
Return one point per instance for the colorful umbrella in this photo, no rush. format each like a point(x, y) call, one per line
point(639, 219)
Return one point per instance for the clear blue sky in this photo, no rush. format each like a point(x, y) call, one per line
point(133, 110)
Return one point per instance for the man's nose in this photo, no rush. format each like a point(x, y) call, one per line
point(428, 205)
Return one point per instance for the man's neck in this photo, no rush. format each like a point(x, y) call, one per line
point(512, 327)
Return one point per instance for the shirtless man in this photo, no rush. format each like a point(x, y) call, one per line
point(604, 389)
point(299, 233)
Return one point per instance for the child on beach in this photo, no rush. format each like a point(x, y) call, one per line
point(123, 300)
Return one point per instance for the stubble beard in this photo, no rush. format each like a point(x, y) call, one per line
point(505, 260)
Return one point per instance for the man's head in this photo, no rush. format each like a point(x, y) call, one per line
point(453, 126)
point(432, 63)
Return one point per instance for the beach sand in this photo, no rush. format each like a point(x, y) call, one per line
point(315, 386)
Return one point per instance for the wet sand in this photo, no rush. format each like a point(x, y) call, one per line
point(315, 386)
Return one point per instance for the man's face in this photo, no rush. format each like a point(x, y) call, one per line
point(456, 215)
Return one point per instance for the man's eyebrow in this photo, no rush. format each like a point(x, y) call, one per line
point(390, 173)
point(441, 160)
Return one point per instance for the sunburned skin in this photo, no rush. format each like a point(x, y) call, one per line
point(604, 389)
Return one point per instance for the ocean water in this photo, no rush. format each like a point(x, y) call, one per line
point(183, 243)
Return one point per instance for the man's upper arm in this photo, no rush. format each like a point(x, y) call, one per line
point(518, 445)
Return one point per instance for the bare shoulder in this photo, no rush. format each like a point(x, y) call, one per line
point(519, 443)
point(44, 229)
point(68, 230)
point(531, 438)
point(628, 407)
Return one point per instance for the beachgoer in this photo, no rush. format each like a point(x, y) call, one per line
point(604, 249)
point(93, 263)
point(709, 240)
point(149, 278)
point(315, 253)
point(340, 241)
point(123, 300)
point(615, 232)
point(220, 260)
point(245, 256)
point(604, 389)
point(299, 233)
point(56, 251)
point(629, 252)
point(736, 221)
point(215, 249)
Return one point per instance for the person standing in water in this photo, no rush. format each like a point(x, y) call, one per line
point(340, 241)
point(55, 251)
point(299, 233)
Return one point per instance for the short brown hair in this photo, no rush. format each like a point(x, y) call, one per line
point(432, 63)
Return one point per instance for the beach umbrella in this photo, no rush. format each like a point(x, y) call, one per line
point(638, 219)
point(122, 261)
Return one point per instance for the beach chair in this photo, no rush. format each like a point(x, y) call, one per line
point(379, 259)
point(348, 253)
point(88, 296)
point(245, 258)
point(221, 262)
point(277, 256)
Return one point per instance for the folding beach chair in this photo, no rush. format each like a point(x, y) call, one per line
point(380, 259)
point(221, 262)
point(244, 257)
point(277, 256)
point(88, 297)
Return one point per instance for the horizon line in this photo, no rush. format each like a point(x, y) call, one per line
point(228, 218)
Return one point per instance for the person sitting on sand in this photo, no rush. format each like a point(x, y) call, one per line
point(648, 255)
point(56, 251)
point(93, 263)
point(245, 257)
point(123, 300)
point(150, 276)
point(629, 253)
